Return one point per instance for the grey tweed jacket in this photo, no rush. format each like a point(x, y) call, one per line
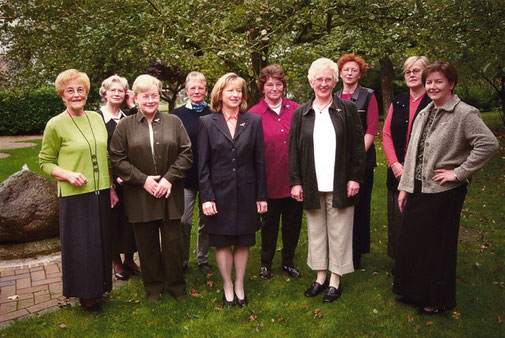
point(457, 140)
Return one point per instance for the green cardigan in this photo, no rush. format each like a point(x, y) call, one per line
point(64, 145)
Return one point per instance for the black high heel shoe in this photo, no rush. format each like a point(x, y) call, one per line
point(227, 303)
point(242, 302)
point(95, 307)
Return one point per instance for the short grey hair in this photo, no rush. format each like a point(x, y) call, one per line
point(195, 76)
point(144, 82)
point(107, 83)
point(320, 64)
point(413, 59)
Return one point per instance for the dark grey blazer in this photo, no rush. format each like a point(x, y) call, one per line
point(232, 172)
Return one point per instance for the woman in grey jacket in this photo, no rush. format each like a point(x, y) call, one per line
point(449, 143)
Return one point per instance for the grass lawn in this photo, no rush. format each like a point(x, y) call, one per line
point(278, 308)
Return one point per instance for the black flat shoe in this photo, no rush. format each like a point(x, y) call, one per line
point(132, 271)
point(121, 276)
point(90, 308)
point(227, 303)
point(316, 289)
point(241, 302)
point(265, 273)
point(204, 268)
point(292, 271)
point(332, 294)
point(423, 311)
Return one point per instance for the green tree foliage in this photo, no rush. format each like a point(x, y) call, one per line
point(128, 37)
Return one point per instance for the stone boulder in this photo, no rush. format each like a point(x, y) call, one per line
point(28, 208)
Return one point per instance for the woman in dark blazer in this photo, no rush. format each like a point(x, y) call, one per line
point(231, 169)
point(114, 91)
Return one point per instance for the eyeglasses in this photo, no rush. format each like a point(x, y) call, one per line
point(350, 70)
point(322, 80)
point(414, 71)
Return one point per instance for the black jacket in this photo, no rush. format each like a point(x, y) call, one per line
point(232, 172)
point(349, 160)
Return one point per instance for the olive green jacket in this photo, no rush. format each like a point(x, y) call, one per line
point(133, 160)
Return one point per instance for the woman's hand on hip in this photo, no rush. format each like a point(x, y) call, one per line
point(297, 192)
point(261, 206)
point(352, 188)
point(444, 175)
point(209, 208)
point(402, 200)
point(151, 184)
point(164, 188)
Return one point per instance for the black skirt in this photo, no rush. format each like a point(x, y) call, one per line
point(425, 271)
point(85, 244)
point(223, 241)
point(123, 240)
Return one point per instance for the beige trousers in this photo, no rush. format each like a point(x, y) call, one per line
point(330, 237)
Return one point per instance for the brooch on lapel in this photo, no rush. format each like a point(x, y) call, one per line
point(242, 124)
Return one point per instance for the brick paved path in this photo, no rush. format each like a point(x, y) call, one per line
point(29, 288)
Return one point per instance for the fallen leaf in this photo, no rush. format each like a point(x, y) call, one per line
point(210, 274)
point(456, 315)
point(375, 311)
point(499, 320)
point(417, 328)
point(195, 293)
point(13, 297)
point(411, 319)
point(272, 320)
point(280, 319)
point(210, 283)
point(261, 325)
point(429, 323)
point(252, 318)
point(257, 330)
point(63, 326)
point(375, 273)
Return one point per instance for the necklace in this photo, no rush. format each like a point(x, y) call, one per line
point(324, 106)
point(96, 170)
point(414, 100)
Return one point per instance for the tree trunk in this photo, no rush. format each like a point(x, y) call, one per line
point(387, 86)
point(502, 98)
point(259, 60)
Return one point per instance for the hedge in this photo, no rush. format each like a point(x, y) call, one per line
point(24, 112)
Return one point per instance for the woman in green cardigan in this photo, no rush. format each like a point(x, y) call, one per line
point(74, 152)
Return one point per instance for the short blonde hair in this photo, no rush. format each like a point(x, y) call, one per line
point(195, 76)
point(413, 59)
point(217, 92)
point(144, 82)
point(107, 83)
point(320, 64)
point(68, 75)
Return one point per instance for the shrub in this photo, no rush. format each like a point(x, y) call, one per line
point(479, 95)
point(25, 112)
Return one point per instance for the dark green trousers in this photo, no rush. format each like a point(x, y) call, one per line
point(161, 264)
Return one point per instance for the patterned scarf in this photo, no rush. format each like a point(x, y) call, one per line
point(199, 107)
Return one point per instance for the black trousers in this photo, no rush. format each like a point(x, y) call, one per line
point(291, 212)
point(361, 227)
point(163, 264)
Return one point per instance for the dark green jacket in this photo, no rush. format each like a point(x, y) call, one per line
point(349, 160)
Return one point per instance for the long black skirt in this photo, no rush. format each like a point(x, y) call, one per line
point(123, 239)
point(85, 244)
point(425, 271)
